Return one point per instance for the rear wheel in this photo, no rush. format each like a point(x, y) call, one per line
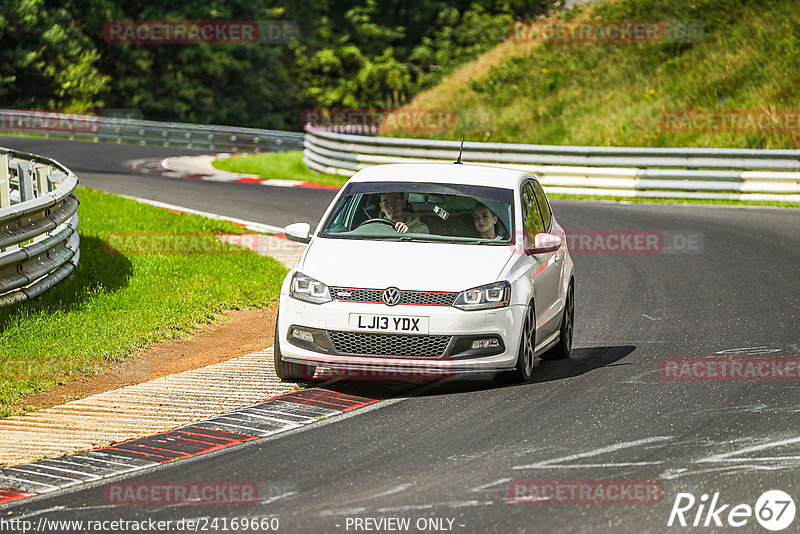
point(562, 349)
point(289, 370)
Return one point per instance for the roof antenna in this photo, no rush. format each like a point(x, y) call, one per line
point(458, 161)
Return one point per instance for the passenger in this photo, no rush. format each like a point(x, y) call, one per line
point(485, 221)
point(393, 206)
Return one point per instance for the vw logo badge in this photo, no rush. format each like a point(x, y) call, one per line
point(391, 296)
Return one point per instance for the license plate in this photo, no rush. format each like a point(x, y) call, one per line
point(389, 323)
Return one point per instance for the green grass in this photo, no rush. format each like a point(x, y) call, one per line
point(115, 304)
point(678, 200)
point(281, 165)
point(614, 94)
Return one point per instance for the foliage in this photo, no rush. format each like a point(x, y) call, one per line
point(618, 94)
point(45, 60)
point(351, 53)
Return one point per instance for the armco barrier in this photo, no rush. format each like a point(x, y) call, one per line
point(703, 173)
point(38, 225)
point(118, 130)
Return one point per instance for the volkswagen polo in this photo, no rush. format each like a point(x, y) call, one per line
point(438, 268)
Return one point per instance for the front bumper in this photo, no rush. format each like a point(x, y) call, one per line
point(328, 324)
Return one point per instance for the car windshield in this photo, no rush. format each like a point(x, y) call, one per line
point(451, 213)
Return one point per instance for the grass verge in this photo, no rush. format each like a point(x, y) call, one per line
point(280, 165)
point(745, 61)
point(722, 202)
point(117, 303)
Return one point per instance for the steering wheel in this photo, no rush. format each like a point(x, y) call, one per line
point(377, 220)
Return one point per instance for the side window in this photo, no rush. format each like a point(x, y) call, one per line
point(543, 205)
point(531, 217)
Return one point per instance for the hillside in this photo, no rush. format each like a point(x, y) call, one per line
point(743, 68)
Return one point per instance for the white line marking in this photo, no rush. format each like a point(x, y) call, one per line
point(40, 512)
point(612, 464)
point(310, 419)
point(250, 225)
point(450, 504)
point(594, 452)
point(635, 378)
point(749, 350)
point(36, 473)
point(397, 489)
point(484, 487)
point(286, 422)
point(259, 431)
point(117, 460)
point(70, 471)
point(342, 511)
point(4, 475)
point(754, 448)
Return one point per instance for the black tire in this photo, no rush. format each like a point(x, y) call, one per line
point(562, 349)
point(288, 370)
point(526, 357)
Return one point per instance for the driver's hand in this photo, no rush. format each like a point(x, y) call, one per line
point(401, 227)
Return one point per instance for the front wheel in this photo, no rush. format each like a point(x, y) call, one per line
point(562, 349)
point(289, 370)
point(526, 358)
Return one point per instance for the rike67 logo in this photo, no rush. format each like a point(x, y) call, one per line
point(774, 510)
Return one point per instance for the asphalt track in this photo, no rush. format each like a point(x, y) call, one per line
point(450, 450)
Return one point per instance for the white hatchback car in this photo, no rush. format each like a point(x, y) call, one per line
point(435, 267)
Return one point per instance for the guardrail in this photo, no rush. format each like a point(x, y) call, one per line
point(701, 173)
point(196, 136)
point(39, 242)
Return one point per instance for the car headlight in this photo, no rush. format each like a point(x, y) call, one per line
point(309, 290)
point(496, 295)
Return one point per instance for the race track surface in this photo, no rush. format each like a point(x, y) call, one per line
point(450, 450)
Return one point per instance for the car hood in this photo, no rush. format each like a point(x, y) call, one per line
point(405, 265)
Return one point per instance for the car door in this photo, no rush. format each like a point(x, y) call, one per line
point(544, 269)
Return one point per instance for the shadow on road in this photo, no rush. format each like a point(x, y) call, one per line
point(582, 360)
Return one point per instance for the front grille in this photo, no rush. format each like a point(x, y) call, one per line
point(426, 298)
point(397, 345)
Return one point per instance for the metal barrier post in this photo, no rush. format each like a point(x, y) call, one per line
point(25, 182)
point(41, 173)
point(5, 186)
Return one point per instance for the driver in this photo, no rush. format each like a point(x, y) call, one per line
point(393, 206)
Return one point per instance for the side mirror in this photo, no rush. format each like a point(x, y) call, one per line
point(298, 232)
point(544, 243)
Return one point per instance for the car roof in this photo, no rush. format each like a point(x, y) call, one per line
point(446, 173)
